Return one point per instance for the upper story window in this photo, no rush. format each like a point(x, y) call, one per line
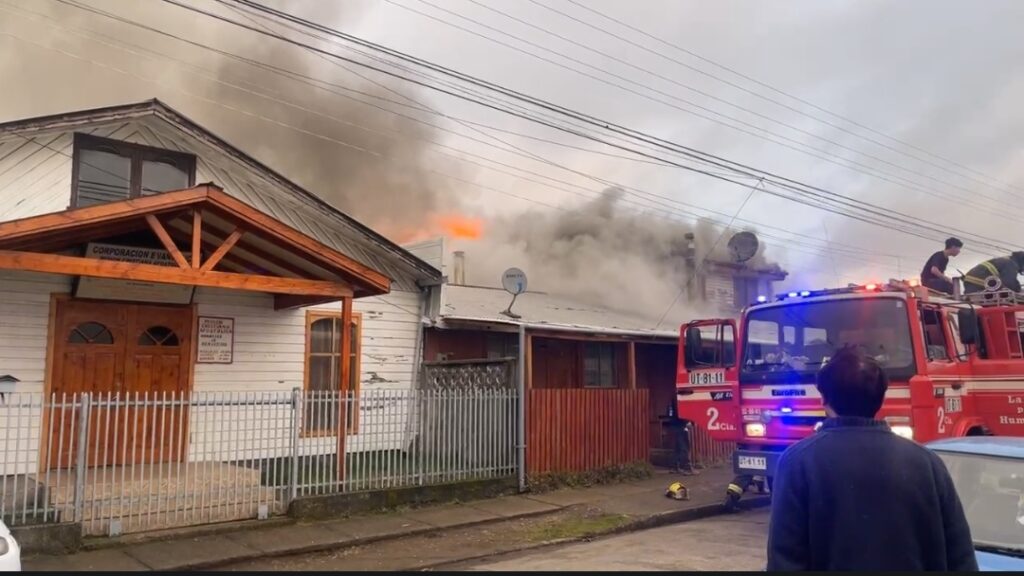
point(109, 170)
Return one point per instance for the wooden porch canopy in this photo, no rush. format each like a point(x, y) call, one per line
point(229, 245)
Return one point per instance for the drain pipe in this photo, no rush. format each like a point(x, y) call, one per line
point(521, 410)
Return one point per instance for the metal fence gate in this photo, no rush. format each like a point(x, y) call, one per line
point(129, 463)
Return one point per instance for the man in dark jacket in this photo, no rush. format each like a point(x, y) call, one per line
point(855, 496)
point(1006, 269)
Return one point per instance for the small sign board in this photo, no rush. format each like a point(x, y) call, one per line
point(132, 290)
point(514, 281)
point(216, 340)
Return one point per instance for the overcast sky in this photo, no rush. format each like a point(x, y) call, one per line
point(943, 79)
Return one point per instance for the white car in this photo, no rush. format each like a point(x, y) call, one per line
point(10, 552)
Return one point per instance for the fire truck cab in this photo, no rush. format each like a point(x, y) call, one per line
point(955, 366)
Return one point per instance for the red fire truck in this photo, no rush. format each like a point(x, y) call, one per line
point(955, 365)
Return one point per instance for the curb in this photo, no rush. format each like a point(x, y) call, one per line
point(327, 546)
point(646, 523)
point(122, 542)
point(643, 523)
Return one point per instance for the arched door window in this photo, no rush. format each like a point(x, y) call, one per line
point(158, 336)
point(90, 333)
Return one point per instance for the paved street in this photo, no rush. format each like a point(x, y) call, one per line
point(733, 542)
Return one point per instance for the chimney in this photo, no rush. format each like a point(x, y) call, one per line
point(691, 250)
point(459, 268)
point(690, 260)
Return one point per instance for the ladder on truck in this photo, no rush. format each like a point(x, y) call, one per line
point(1013, 324)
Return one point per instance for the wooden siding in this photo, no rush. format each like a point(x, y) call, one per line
point(35, 175)
point(656, 372)
point(558, 363)
point(705, 451)
point(580, 430)
point(269, 353)
point(270, 345)
point(24, 325)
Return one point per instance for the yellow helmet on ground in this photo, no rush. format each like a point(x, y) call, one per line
point(677, 491)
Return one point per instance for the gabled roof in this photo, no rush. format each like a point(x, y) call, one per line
point(75, 120)
point(481, 305)
point(245, 249)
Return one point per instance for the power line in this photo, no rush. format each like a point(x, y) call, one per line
point(820, 153)
point(908, 224)
point(484, 158)
point(703, 261)
point(333, 118)
point(590, 197)
point(733, 182)
point(718, 65)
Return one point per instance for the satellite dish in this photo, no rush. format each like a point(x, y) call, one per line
point(514, 281)
point(743, 246)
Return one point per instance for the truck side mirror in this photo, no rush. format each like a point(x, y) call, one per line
point(967, 320)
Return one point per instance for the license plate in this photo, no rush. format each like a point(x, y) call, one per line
point(753, 462)
point(954, 404)
point(707, 377)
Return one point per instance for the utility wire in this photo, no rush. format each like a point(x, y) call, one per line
point(700, 267)
point(818, 152)
point(588, 196)
point(740, 183)
point(793, 185)
point(789, 240)
point(762, 84)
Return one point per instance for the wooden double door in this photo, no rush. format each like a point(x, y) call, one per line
point(135, 362)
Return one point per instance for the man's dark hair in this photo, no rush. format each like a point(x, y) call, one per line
point(954, 243)
point(853, 384)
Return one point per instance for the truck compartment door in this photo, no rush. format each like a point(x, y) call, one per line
point(707, 379)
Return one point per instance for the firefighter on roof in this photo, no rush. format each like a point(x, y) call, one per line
point(983, 277)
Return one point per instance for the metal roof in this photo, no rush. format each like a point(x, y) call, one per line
point(539, 310)
point(1002, 447)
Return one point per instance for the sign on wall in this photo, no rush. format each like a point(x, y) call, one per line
point(132, 290)
point(216, 343)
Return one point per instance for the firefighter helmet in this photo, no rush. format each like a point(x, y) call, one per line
point(677, 491)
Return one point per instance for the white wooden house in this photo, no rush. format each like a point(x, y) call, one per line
point(89, 202)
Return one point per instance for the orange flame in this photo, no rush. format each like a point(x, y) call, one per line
point(461, 227)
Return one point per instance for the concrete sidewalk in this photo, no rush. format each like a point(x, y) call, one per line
point(643, 502)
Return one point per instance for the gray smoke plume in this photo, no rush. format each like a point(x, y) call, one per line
point(602, 254)
point(374, 165)
point(367, 162)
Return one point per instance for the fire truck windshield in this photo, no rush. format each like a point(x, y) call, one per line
point(790, 343)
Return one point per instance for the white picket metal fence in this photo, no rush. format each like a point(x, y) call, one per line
point(120, 463)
